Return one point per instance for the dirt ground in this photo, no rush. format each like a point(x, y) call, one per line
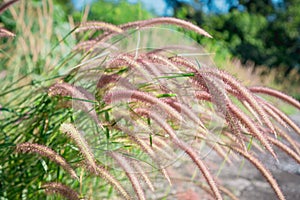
point(245, 181)
point(250, 185)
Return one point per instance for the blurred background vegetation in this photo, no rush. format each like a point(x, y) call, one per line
point(263, 35)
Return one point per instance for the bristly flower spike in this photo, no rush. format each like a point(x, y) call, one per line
point(165, 20)
point(262, 169)
point(98, 26)
point(63, 190)
point(250, 125)
point(74, 134)
point(276, 94)
point(244, 93)
point(5, 5)
point(81, 96)
point(91, 164)
point(6, 33)
point(130, 174)
point(47, 152)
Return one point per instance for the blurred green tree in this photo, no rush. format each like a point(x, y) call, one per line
point(264, 31)
point(116, 12)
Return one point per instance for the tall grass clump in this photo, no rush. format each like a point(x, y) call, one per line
point(41, 45)
point(141, 107)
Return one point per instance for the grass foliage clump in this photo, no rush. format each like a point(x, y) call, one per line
point(136, 104)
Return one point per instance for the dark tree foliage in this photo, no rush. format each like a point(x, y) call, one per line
point(66, 5)
point(263, 7)
point(264, 31)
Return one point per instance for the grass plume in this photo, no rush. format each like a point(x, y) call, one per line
point(166, 20)
point(152, 104)
point(61, 189)
point(276, 94)
point(82, 98)
point(76, 136)
point(6, 5)
point(130, 173)
point(47, 152)
point(90, 161)
point(98, 26)
point(263, 171)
